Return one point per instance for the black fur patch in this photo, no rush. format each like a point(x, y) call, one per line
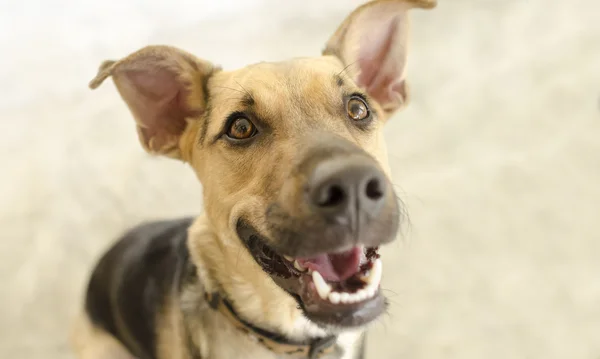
point(133, 279)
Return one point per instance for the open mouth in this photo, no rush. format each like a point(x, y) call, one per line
point(338, 288)
point(341, 278)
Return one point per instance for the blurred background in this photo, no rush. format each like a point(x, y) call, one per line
point(497, 158)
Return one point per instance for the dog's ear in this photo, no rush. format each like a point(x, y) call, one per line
point(164, 88)
point(372, 43)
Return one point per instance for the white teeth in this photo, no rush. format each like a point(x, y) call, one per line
point(370, 292)
point(322, 287)
point(375, 275)
point(372, 280)
point(288, 258)
point(345, 297)
point(299, 266)
point(363, 255)
point(361, 294)
point(334, 297)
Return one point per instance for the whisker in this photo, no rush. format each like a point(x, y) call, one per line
point(243, 88)
point(390, 291)
point(343, 72)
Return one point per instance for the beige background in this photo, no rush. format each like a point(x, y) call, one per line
point(497, 158)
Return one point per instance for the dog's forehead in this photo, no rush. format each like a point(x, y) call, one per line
point(265, 80)
point(279, 90)
point(293, 67)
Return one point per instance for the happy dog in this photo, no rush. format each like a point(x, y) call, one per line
point(284, 262)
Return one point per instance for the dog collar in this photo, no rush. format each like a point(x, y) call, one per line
point(313, 349)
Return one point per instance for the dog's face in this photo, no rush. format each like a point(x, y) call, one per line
point(290, 154)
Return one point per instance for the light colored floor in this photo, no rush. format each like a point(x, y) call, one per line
point(498, 159)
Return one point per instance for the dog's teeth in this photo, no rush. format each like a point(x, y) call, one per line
point(349, 298)
point(354, 298)
point(374, 277)
point(372, 282)
point(365, 277)
point(363, 255)
point(334, 297)
point(288, 258)
point(345, 297)
point(299, 266)
point(370, 292)
point(322, 287)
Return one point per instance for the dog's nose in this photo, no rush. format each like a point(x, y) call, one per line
point(347, 189)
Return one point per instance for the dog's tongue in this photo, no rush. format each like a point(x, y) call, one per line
point(335, 267)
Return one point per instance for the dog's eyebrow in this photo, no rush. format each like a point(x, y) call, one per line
point(338, 80)
point(247, 100)
point(246, 105)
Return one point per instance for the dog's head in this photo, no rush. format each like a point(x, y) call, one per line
point(290, 154)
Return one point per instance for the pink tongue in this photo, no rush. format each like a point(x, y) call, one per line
point(335, 267)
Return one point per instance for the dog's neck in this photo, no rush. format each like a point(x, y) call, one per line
point(223, 268)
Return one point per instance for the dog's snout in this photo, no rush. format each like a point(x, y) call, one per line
point(347, 189)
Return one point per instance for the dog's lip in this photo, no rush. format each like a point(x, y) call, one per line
point(340, 315)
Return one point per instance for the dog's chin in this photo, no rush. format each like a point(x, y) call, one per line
point(336, 291)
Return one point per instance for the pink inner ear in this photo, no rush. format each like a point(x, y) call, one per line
point(156, 97)
point(381, 59)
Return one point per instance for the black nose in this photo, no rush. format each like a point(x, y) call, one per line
point(347, 189)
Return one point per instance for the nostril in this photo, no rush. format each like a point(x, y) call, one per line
point(374, 189)
point(331, 196)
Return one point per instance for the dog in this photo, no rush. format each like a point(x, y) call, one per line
point(284, 261)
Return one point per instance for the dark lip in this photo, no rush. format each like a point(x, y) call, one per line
point(298, 285)
point(345, 316)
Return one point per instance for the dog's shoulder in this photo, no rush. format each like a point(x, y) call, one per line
point(134, 279)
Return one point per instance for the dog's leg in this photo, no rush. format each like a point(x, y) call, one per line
point(91, 342)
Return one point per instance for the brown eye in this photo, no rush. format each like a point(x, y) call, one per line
point(241, 128)
point(357, 109)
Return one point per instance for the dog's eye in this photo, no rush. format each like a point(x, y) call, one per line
point(241, 128)
point(357, 109)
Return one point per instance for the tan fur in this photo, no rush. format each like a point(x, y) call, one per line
point(90, 342)
point(170, 333)
point(300, 99)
